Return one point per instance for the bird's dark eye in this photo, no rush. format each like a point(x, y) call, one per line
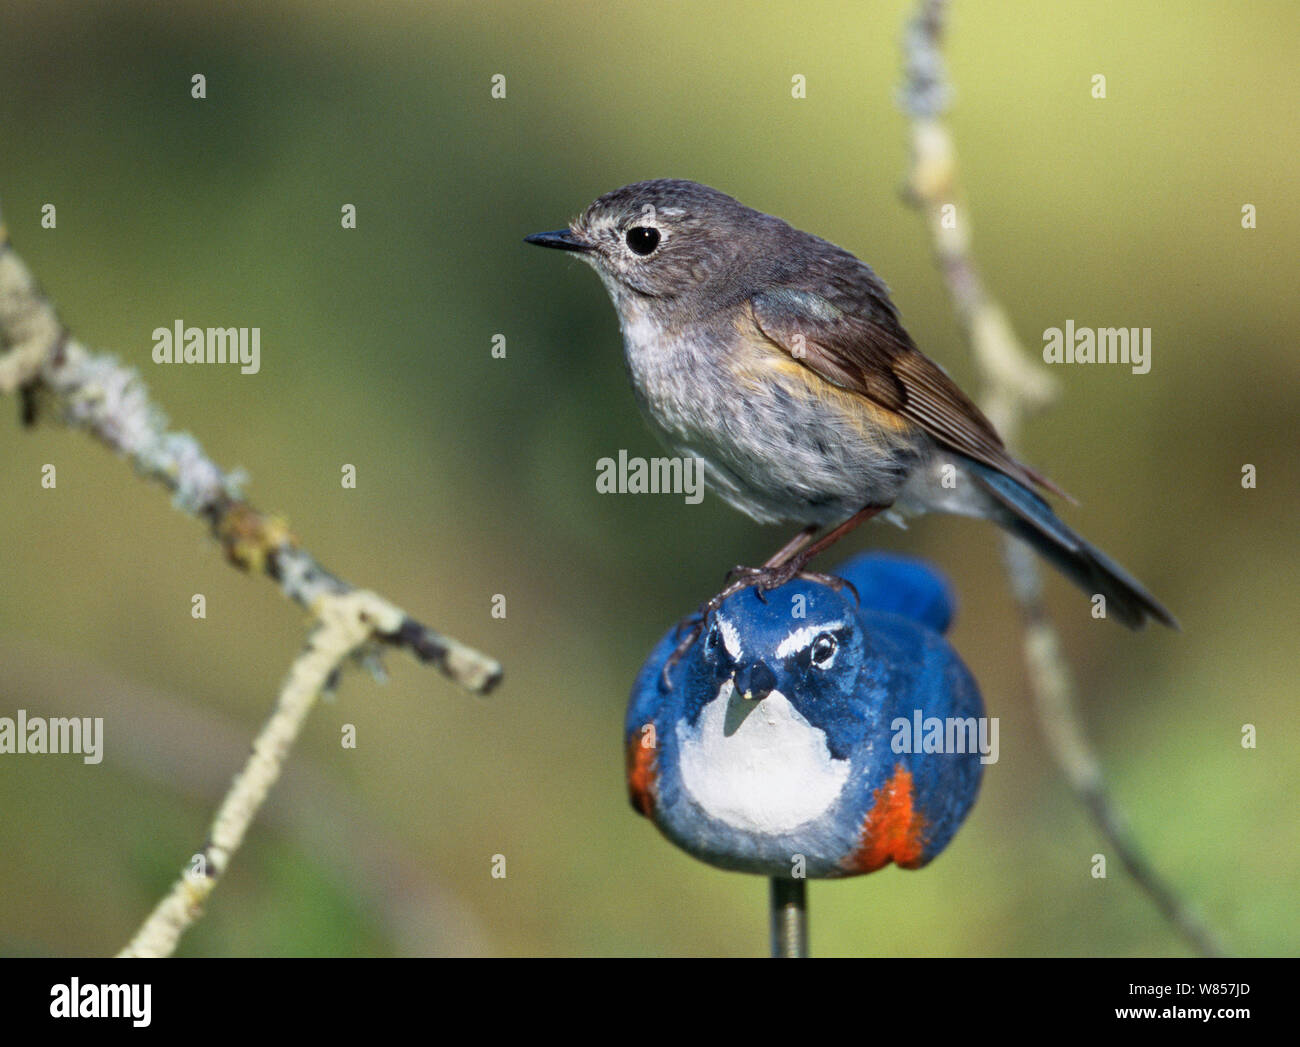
point(642, 239)
point(713, 639)
point(823, 649)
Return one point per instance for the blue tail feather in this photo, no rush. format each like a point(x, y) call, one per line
point(1030, 518)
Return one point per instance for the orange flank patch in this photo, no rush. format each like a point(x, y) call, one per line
point(892, 830)
point(877, 425)
point(869, 415)
point(641, 775)
point(759, 355)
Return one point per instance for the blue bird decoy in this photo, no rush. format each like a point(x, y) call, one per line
point(803, 727)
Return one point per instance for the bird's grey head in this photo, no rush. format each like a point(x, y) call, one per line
point(667, 239)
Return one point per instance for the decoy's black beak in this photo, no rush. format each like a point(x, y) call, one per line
point(755, 682)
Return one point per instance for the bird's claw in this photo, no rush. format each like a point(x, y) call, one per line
point(683, 645)
point(762, 580)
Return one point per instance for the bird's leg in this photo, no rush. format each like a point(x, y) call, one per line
point(737, 579)
point(786, 563)
point(831, 537)
point(791, 560)
point(791, 548)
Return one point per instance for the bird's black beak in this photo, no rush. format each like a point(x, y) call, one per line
point(755, 681)
point(561, 239)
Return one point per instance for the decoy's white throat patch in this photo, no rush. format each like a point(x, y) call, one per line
point(770, 775)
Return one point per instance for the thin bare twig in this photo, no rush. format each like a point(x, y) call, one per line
point(1014, 387)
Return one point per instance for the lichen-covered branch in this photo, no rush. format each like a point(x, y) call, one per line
point(347, 623)
point(56, 375)
point(1014, 387)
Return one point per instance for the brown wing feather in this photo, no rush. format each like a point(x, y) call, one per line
point(872, 355)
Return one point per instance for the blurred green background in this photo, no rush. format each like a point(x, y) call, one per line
point(476, 476)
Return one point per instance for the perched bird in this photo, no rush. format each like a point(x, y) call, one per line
point(788, 736)
point(779, 360)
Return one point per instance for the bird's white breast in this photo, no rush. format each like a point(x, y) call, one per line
point(771, 774)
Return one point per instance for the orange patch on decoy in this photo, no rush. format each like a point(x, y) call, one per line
point(892, 831)
point(641, 775)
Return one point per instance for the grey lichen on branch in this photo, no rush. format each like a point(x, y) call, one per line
point(344, 625)
point(1015, 385)
point(96, 393)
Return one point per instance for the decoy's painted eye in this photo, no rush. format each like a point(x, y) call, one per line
point(823, 650)
point(714, 638)
point(642, 239)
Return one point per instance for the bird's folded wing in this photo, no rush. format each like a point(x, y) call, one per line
point(867, 352)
